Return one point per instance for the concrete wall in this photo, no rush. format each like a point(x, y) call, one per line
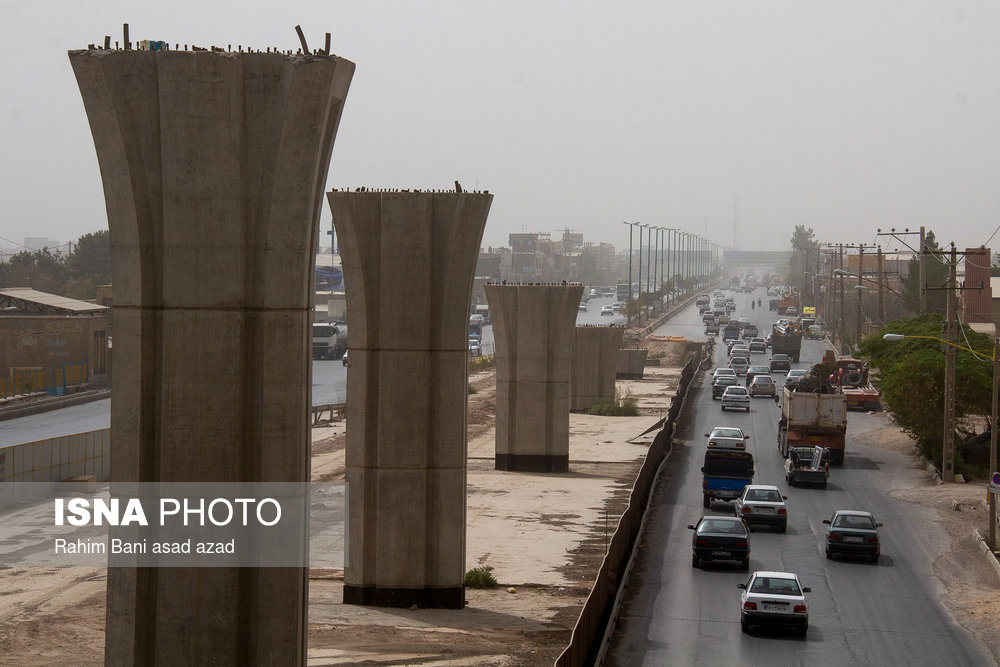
point(56, 459)
point(631, 364)
point(213, 166)
point(49, 341)
point(533, 331)
point(409, 259)
point(594, 365)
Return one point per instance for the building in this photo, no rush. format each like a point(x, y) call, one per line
point(977, 292)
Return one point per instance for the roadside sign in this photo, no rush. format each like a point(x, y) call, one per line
point(809, 310)
point(995, 483)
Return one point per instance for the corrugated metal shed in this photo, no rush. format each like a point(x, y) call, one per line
point(24, 300)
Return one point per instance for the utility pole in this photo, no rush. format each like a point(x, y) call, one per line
point(628, 300)
point(948, 443)
point(881, 288)
point(842, 325)
point(858, 289)
point(993, 441)
point(923, 274)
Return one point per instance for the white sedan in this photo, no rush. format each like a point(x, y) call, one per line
point(774, 598)
point(736, 398)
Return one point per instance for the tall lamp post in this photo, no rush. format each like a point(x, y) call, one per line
point(892, 338)
point(628, 300)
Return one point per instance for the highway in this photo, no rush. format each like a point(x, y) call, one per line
point(859, 613)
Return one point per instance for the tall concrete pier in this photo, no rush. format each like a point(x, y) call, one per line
point(213, 166)
point(533, 330)
point(409, 260)
point(594, 364)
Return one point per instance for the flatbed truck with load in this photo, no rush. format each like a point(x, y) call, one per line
point(786, 339)
point(851, 375)
point(807, 465)
point(813, 419)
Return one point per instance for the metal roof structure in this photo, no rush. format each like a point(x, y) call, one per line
point(27, 301)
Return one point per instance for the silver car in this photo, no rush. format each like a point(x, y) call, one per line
point(763, 504)
point(739, 364)
point(736, 398)
point(774, 598)
point(763, 385)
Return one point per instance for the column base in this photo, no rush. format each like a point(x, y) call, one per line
point(426, 598)
point(532, 462)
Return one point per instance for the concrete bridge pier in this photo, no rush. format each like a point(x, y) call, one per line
point(409, 260)
point(533, 329)
point(213, 164)
point(594, 364)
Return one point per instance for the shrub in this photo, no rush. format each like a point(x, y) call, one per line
point(480, 577)
point(617, 406)
point(473, 390)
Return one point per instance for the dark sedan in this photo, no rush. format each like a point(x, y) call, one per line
point(781, 362)
point(853, 532)
point(720, 383)
point(720, 538)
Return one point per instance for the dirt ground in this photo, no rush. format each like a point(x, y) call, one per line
point(544, 535)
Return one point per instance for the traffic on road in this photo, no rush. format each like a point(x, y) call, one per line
point(812, 585)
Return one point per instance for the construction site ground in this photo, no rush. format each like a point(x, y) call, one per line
point(544, 535)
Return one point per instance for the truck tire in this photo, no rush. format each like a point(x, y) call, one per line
point(837, 457)
point(851, 379)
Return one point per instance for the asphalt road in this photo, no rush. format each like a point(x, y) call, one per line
point(859, 613)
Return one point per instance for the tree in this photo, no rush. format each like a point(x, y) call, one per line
point(805, 256)
point(89, 265)
point(911, 378)
point(937, 271)
point(38, 269)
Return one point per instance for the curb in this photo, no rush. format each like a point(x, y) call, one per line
point(54, 403)
point(985, 549)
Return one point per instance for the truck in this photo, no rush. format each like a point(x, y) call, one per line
point(786, 339)
point(724, 474)
point(732, 330)
point(788, 299)
point(329, 340)
point(851, 375)
point(476, 328)
point(807, 465)
point(623, 292)
point(813, 419)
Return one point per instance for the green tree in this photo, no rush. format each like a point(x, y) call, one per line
point(936, 268)
point(804, 256)
point(39, 269)
point(88, 266)
point(911, 378)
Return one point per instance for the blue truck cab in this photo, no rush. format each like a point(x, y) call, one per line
point(725, 473)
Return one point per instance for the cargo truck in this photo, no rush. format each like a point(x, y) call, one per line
point(813, 419)
point(329, 340)
point(786, 339)
point(725, 473)
point(851, 375)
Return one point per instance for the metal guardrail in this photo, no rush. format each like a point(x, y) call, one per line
point(332, 408)
point(588, 634)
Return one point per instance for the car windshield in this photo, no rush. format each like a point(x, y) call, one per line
point(775, 586)
point(725, 380)
point(722, 526)
point(854, 521)
point(727, 433)
point(324, 330)
point(763, 379)
point(766, 495)
point(736, 391)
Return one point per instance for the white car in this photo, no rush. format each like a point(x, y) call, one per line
point(607, 310)
point(583, 307)
point(727, 437)
point(762, 503)
point(736, 398)
point(774, 598)
point(723, 371)
point(740, 365)
point(795, 374)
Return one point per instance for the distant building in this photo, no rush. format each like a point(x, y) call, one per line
point(977, 293)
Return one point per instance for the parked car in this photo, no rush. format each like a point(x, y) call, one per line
point(739, 364)
point(781, 362)
point(774, 598)
point(720, 383)
point(853, 532)
point(607, 310)
point(736, 398)
point(720, 538)
point(763, 385)
point(754, 371)
point(727, 437)
point(763, 504)
point(758, 345)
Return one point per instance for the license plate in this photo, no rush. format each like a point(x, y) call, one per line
point(764, 510)
point(721, 553)
point(775, 607)
point(853, 538)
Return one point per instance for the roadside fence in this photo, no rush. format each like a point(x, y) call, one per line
point(54, 381)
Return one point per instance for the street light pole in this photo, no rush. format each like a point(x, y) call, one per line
point(993, 440)
point(948, 442)
point(861, 269)
point(628, 300)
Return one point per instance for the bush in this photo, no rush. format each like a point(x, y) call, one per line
point(617, 406)
point(473, 390)
point(480, 577)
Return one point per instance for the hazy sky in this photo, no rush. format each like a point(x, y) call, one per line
point(842, 116)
